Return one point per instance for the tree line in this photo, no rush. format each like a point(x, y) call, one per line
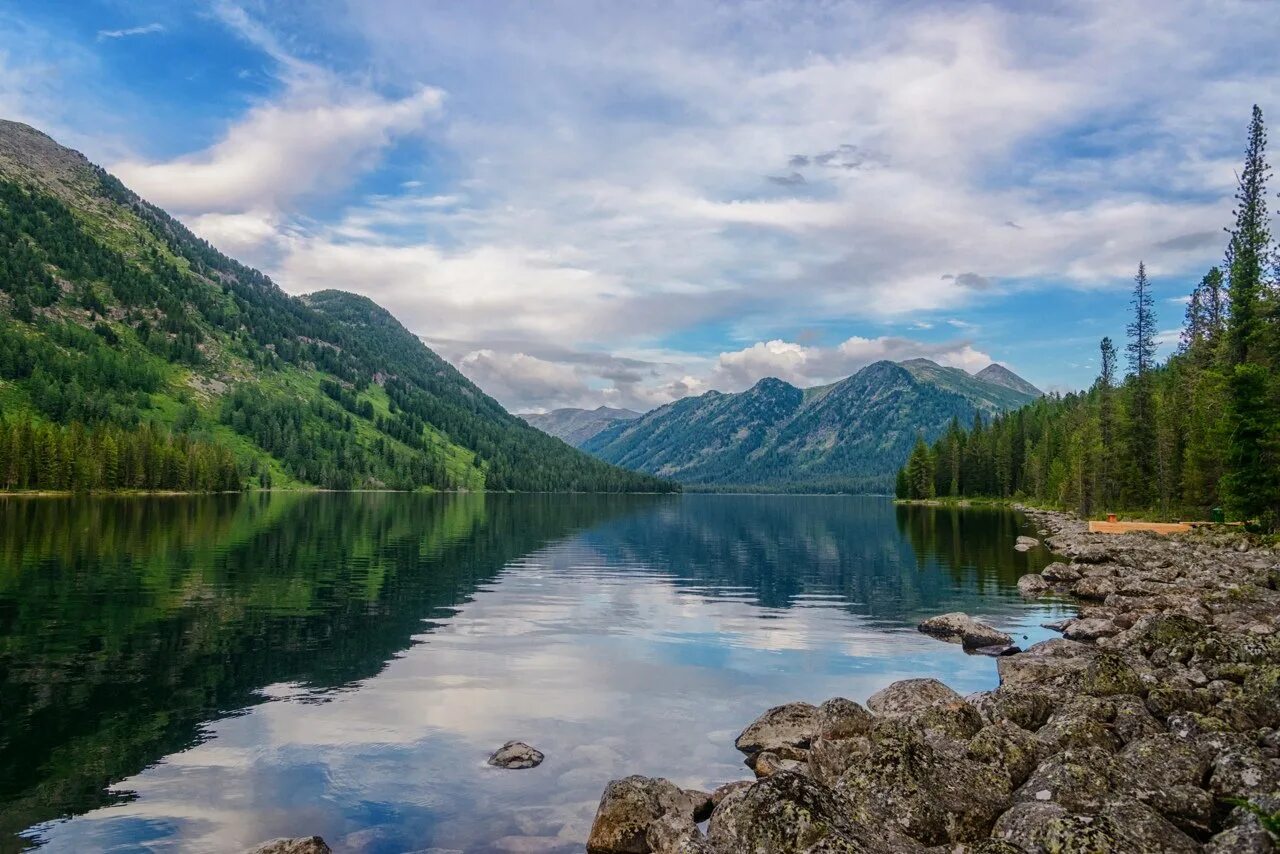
point(107, 457)
point(1199, 431)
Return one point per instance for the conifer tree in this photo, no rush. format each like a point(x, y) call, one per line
point(1141, 425)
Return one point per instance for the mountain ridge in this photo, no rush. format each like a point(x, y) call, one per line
point(848, 435)
point(575, 425)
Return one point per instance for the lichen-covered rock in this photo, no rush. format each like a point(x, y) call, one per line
point(296, 845)
point(790, 814)
point(830, 758)
point(1079, 723)
point(1093, 587)
point(516, 754)
point(910, 695)
point(932, 795)
point(1027, 708)
point(1165, 772)
point(1137, 827)
point(789, 725)
point(1246, 837)
point(628, 807)
point(840, 718)
point(1090, 629)
point(1024, 824)
point(767, 763)
point(1078, 780)
point(674, 834)
point(956, 720)
point(1244, 771)
point(1133, 720)
point(1009, 749)
point(1109, 674)
point(958, 627)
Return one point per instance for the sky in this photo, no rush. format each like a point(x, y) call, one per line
point(586, 203)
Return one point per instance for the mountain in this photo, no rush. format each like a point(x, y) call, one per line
point(1000, 375)
point(188, 367)
point(850, 436)
point(576, 426)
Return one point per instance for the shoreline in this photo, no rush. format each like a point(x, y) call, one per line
point(1151, 724)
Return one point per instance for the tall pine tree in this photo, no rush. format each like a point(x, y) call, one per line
point(1140, 449)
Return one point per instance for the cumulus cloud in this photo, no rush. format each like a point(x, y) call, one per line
point(787, 167)
point(316, 134)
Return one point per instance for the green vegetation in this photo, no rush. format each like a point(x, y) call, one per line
point(1199, 431)
point(119, 327)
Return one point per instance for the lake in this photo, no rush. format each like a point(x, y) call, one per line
point(205, 673)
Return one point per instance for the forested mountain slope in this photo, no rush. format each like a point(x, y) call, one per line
point(851, 435)
point(190, 370)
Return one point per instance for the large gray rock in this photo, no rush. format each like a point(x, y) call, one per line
point(958, 627)
point(932, 793)
point(790, 725)
point(792, 814)
point(840, 718)
point(1032, 585)
point(627, 809)
point(516, 754)
point(296, 845)
point(910, 695)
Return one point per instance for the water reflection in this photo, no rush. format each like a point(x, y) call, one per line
point(340, 664)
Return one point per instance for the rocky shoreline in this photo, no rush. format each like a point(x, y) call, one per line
point(1150, 725)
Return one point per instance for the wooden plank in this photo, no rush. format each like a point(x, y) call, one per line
point(1126, 527)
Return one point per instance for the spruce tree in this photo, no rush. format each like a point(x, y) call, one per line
point(1106, 385)
point(1140, 447)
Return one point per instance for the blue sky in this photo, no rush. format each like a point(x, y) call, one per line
point(583, 203)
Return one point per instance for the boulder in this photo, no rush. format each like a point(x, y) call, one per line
point(1008, 748)
point(1031, 542)
point(840, 718)
point(673, 834)
point(296, 845)
point(1032, 585)
point(1077, 780)
point(791, 814)
point(910, 695)
point(931, 793)
point(1058, 573)
point(789, 725)
point(767, 763)
point(627, 809)
point(997, 650)
point(1090, 630)
point(516, 754)
point(958, 627)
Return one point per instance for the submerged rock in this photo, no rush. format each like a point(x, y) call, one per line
point(296, 845)
point(959, 627)
point(516, 754)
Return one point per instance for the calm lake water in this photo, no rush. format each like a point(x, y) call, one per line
point(202, 674)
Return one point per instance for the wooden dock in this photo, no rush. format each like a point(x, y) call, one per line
point(1126, 527)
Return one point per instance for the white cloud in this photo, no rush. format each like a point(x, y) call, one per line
point(144, 30)
point(316, 137)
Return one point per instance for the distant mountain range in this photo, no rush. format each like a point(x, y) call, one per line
point(576, 426)
point(848, 436)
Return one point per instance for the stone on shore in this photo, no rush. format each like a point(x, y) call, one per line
point(1136, 731)
point(630, 806)
point(1032, 585)
point(296, 845)
point(790, 725)
point(958, 627)
point(910, 695)
point(516, 755)
point(1030, 542)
